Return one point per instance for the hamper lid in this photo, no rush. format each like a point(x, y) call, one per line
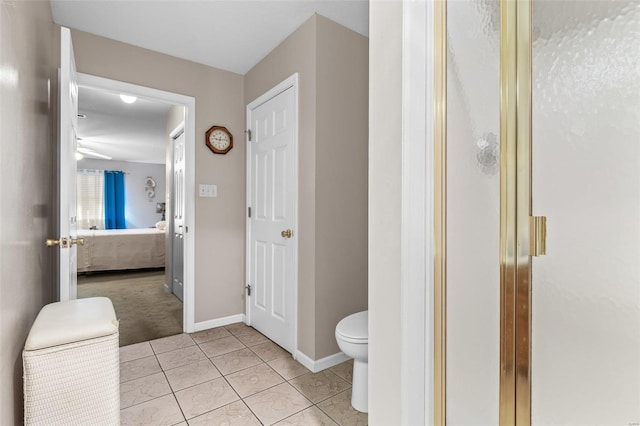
point(72, 321)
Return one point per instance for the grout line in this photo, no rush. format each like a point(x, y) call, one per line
point(242, 399)
point(184, 417)
point(251, 411)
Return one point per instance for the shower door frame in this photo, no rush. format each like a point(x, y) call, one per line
point(516, 224)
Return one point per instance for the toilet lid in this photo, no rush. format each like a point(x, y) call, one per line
point(355, 327)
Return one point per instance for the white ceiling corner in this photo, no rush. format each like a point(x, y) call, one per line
point(232, 35)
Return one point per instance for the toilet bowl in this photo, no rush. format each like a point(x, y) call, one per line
point(352, 335)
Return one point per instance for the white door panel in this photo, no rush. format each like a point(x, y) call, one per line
point(178, 217)
point(68, 123)
point(272, 186)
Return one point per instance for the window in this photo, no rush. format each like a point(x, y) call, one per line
point(90, 203)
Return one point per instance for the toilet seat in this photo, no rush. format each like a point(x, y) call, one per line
point(354, 328)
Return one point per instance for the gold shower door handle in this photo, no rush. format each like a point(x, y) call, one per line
point(538, 235)
point(287, 233)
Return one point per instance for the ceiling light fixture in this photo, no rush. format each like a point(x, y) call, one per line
point(128, 99)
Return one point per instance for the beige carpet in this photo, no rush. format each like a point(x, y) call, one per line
point(144, 309)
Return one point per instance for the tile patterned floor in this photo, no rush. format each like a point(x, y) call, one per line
point(230, 375)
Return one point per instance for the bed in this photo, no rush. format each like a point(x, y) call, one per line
point(118, 249)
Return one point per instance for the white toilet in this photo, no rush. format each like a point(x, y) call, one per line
point(352, 335)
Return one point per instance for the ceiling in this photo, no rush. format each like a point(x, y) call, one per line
point(125, 132)
point(233, 35)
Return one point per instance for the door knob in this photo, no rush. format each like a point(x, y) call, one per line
point(79, 241)
point(287, 233)
point(62, 242)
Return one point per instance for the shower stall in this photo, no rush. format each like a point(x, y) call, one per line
point(538, 212)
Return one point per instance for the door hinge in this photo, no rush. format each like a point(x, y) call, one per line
point(249, 211)
point(538, 235)
point(248, 287)
point(249, 134)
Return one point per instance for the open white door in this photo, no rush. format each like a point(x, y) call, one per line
point(67, 168)
point(178, 199)
point(272, 237)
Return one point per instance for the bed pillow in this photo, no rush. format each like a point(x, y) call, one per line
point(162, 225)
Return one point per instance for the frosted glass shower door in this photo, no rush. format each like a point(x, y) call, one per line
point(586, 179)
point(473, 212)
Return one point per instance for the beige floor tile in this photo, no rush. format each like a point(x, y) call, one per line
point(157, 412)
point(251, 337)
point(205, 397)
point(180, 357)
point(277, 403)
point(340, 410)
point(310, 417)
point(135, 351)
point(319, 386)
point(236, 361)
point(221, 346)
point(269, 350)
point(238, 328)
point(254, 379)
point(234, 414)
point(344, 370)
point(209, 335)
point(191, 374)
point(143, 389)
point(171, 343)
point(137, 368)
point(288, 367)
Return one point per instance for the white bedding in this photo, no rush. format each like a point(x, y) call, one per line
point(116, 249)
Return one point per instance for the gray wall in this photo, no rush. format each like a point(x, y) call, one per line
point(220, 222)
point(139, 212)
point(28, 84)
point(332, 63)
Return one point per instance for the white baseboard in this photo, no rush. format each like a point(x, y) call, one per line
point(322, 363)
point(218, 322)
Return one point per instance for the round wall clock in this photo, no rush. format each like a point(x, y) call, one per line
point(219, 140)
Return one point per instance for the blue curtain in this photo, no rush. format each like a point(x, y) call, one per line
point(114, 200)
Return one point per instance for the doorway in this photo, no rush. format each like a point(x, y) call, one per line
point(156, 189)
point(272, 206)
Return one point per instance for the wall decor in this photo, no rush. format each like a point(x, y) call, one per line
point(219, 140)
point(149, 187)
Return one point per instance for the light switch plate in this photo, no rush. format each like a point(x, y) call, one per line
point(208, 190)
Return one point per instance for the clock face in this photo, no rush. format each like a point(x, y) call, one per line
point(219, 140)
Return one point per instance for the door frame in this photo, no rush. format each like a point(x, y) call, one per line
point(290, 82)
point(189, 103)
point(417, 217)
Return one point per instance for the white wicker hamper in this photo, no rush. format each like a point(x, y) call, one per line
point(71, 365)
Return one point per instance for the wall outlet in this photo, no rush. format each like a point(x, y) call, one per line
point(208, 190)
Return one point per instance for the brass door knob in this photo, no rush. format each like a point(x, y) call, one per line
point(52, 243)
point(287, 233)
point(62, 242)
point(79, 241)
